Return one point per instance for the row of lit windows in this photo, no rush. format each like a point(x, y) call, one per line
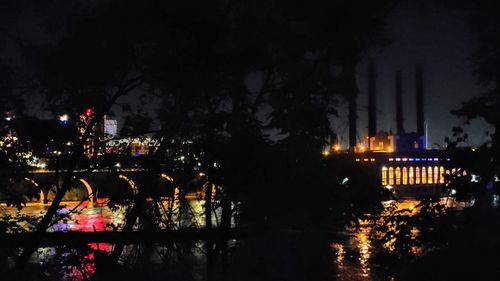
point(404, 159)
point(413, 175)
point(365, 159)
point(418, 159)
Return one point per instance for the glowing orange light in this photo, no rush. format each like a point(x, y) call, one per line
point(167, 177)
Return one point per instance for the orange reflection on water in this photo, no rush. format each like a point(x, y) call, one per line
point(362, 240)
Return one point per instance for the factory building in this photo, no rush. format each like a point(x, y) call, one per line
point(402, 161)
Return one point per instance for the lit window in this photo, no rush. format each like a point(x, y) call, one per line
point(424, 175)
point(384, 176)
point(411, 176)
point(436, 174)
point(417, 175)
point(405, 176)
point(441, 174)
point(398, 176)
point(429, 175)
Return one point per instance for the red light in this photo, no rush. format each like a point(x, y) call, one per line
point(89, 112)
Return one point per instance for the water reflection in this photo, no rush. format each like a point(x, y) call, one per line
point(99, 217)
point(354, 256)
point(363, 243)
point(59, 262)
point(91, 219)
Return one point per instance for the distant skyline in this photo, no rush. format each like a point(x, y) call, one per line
point(438, 39)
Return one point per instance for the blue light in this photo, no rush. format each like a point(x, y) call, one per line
point(64, 119)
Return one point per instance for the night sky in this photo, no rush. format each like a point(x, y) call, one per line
point(438, 38)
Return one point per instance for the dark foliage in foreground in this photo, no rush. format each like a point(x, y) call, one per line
point(255, 146)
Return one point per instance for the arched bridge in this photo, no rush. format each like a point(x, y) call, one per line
point(88, 185)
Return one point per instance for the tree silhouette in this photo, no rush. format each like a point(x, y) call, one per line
point(196, 58)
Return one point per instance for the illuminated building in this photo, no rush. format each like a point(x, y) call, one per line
point(402, 161)
point(104, 130)
point(382, 142)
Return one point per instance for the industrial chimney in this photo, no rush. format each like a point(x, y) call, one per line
point(372, 99)
point(420, 100)
point(399, 103)
point(351, 93)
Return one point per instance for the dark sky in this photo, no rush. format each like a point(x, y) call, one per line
point(439, 39)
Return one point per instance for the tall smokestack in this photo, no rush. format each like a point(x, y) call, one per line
point(351, 94)
point(399, 103)
point(420, 100)
point(372, 100)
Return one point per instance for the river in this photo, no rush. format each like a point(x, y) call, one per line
point(352, 255)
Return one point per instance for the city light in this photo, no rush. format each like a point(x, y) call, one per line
point(167, 177)
point(89, 112)
point(64, 119)
point(9, 116)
